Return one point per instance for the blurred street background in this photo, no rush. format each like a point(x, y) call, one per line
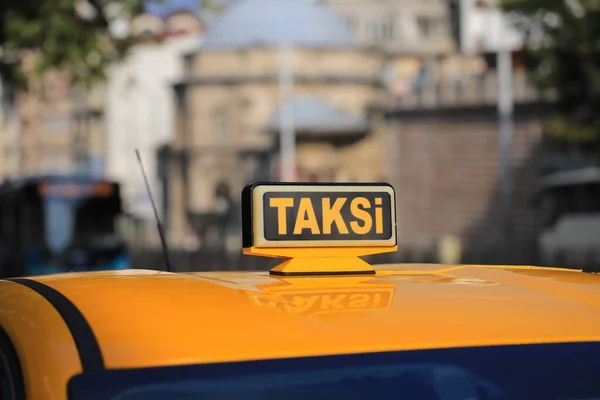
point(484, 115)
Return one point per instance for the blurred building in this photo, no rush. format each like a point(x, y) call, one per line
point(89, 131)
point(446, 163)
point(400, 27)
point(45, 116)
point(229, 108)
point(426, 122)
point(421, 39)
point(479, 26)
point(445, 145)
point(9, 132)
point(413, 35)
point(141, 104)
point(3, 133)
point(57, 128)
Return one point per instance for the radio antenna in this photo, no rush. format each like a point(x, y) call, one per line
point(161, 231)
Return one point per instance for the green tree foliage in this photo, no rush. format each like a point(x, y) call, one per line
point(70, 35)
point(212, 6)
point(563, 54)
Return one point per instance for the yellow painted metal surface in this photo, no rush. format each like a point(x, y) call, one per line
point(334, 259)
point(146, 318)
point(42, 340)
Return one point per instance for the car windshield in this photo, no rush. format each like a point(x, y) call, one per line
point(533, 372)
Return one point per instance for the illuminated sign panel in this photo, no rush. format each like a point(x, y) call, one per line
point(74, 191)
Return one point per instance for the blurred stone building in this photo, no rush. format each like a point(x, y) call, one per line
point(54, 127)
point(421, 41)
point(445, 149)
point(424, 121)
point(229, 108)
point(141, 104)
point(45, 111)
point(398, 27)
point(9, 131)
point(65, 129)
point(89, 130)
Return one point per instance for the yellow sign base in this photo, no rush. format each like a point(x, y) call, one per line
point(320, 261)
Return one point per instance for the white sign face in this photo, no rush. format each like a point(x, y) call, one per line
point(486, 29)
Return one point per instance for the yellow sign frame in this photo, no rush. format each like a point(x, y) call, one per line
point(312, 257)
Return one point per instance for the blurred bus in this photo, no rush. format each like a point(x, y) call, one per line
point(51, 224)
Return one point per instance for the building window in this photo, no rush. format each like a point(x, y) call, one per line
point(351, 23)
point(424, 26)
point(382, 29)
point(375, 28)
point(388, 28)
point(51, 160)
point(245, 104)
point(45, 92)
point(61, 123)
point(220, 125)
point(442, 27)
point(432, 27)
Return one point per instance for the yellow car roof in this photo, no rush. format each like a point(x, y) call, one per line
point(146, 318)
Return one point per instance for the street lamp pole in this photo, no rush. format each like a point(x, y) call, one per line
point(287, 138)
point(506, 128)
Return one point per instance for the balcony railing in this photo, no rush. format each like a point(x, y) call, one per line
point(465, 91)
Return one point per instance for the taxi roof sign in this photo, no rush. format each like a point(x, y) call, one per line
point(315, 221)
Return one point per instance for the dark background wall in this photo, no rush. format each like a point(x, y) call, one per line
point(446, 170)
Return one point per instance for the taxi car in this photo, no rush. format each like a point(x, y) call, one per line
point(323, 324)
